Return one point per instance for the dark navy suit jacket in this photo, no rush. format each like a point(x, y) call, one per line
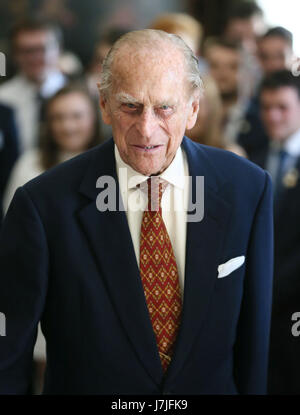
point(284, 370)
point(72, 266)
point(9, 147)
point(253, 136)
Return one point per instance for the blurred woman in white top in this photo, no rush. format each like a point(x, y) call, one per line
point(71, 127)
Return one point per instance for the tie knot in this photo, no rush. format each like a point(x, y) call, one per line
point(154, 187)
point(283, 155)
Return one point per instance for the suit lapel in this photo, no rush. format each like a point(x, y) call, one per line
point(203, 250)
point(110, 241)
point(286, 196)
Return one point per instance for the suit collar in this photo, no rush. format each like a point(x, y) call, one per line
point(102, 163)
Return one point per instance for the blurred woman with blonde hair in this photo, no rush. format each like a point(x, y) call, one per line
point(183, 25)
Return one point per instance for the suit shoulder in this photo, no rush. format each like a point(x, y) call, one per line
point(230, 175)
point(9, 88)
point(5, 110)
point(231, 166)
point(64, 175)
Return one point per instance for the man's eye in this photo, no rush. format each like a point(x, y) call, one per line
point(131, 106)
point(165, 110)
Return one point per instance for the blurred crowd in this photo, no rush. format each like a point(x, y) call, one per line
point(250, 106)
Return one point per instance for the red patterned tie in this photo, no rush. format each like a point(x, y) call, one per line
point(159, 272)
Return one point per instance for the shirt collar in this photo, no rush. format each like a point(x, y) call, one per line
point(292, 144)
point(174, 174)
point(54, 81)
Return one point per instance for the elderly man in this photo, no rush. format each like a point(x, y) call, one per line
point(161, 299)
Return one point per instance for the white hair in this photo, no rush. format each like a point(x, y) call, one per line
point(150, 38)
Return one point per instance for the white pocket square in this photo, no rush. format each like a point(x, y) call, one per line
point(230, 266)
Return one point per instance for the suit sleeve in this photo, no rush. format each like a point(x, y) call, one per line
point(23, 284)
point(252, 342)
point(10, 151)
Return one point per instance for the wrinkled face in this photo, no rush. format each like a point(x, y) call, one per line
point(274, 54)
point(149, 108)
point(280, 111)
point(36, 52)
point(72, 121)
point(224, 67)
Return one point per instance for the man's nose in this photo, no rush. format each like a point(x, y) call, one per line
point(274, 115)
point(146, 123)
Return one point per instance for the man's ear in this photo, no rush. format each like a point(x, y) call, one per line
point(193, 112)
point(105, 110)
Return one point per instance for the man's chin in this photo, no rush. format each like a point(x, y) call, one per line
point(278, 138)
point(37, 77)
point(149, 170)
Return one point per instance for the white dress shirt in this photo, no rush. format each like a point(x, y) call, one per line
point(22, 95)
point(291, 146)
point(174, 204)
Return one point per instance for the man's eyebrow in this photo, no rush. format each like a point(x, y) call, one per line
point(168, 103)
point(125, 98)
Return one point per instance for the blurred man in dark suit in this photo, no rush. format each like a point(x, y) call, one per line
point(36, 48)
point(280, 112)
point(274, 53)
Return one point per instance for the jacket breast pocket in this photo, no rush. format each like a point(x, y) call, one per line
point(235, 278)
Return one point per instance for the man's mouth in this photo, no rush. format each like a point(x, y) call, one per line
point(148, 148)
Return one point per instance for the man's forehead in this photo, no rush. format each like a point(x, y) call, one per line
point(143, 55)
point(145, 84)
point(282, 92)
point(149, 73)
point(35, 36)
point(148, 70)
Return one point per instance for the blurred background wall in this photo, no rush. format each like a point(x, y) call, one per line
point(83, 22)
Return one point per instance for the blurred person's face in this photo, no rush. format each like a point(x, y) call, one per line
point(202, 115)
point(224, 68)
point(149, 107)
point(72, 121)
point(280, 112)
point(36, 52)
point(274, 54)
point(245, 31)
